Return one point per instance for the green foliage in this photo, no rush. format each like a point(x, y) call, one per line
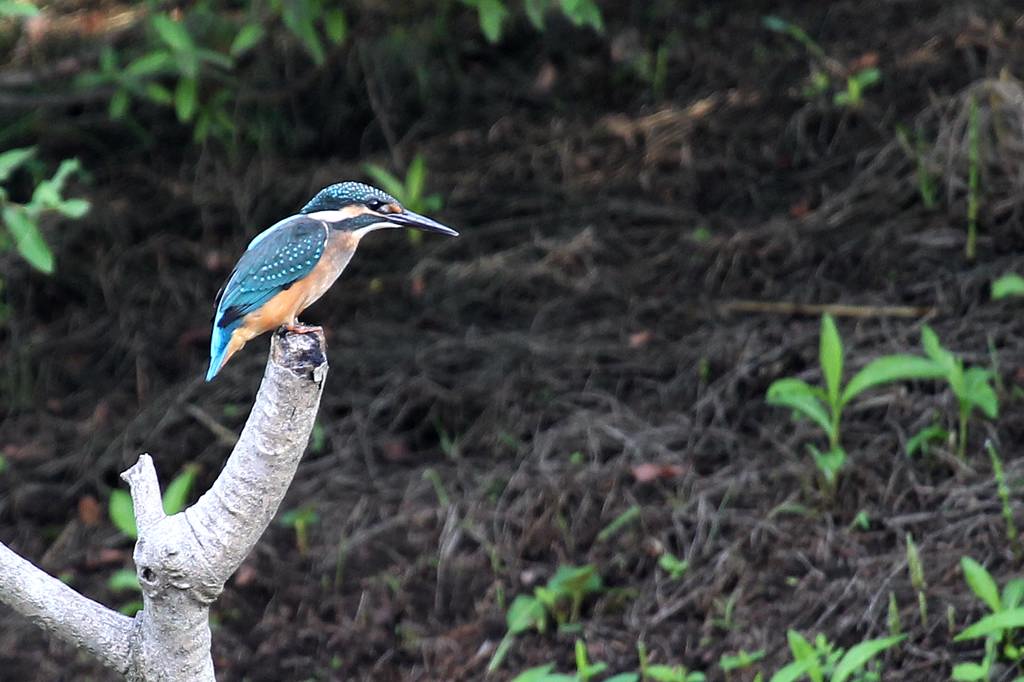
point(1004, 495)
point(856, 84)
point(1008, 285)
point(739, 661)
point(188, 62)
point(999, 627)
point(922, 440)
point(175, 498)
point(493, 14)
point(561, 600)
point(916, 569)
point(673, 565)
point(631, 515)
point(824, 406)
point(926, 180)
point(411, 192)
point(972, 386)
point(827, 74)
point(823, 660)
point(17, 9)
point(300, 519)
point(22, 220)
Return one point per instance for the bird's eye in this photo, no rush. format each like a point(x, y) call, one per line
point(375, 204)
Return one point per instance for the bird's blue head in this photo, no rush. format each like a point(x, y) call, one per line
point(359, 208)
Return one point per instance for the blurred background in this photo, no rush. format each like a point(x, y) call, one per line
point(553, 429)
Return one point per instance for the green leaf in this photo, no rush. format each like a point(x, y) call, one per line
point(150, 64)
point(981, 583)
point(535, 10)
point(12, 159)
point(335, 26)
point(123, 581)
point(867, 77)
point(859, 655)
point(130, 608)
point(298, 17)
point(173, 33)
point(216, 58)
point(158, 93)
point(387, 182)
point(798, 395)
point(888, 369)
point(804, 652)
point(73, 208)
point(543, 674)
point(176, 495)
point(14, 8)
point(583, 13)
point(934, 350)
point(791, 672)
point(416, 179)
point(970, 672)
point(1008, 285)
point(525, 613)
point(27, 238)
point(492, 18)
point(993, 624)
point(920, 440)
point(247, 38)
point(624, 677)
point(1013, 593)
point(185, 96)
point(119, 104)
point(978, 391)
point(830, 356)
point(122, 513)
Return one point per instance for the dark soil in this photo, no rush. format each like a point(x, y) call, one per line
point(490, 396)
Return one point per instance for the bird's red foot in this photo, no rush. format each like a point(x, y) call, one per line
point(300, 329)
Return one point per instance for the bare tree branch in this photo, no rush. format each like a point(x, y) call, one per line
point(182, 561)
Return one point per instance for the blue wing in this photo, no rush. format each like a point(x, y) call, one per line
point(275, 259)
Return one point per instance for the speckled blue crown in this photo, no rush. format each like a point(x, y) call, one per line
point(345, 193)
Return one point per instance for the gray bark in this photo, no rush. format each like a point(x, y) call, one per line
point(183, 560)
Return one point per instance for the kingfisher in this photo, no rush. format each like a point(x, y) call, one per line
point(292, 263)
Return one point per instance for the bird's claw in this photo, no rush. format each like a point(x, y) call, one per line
point(298, 328)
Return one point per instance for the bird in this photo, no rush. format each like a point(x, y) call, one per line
point(294, 262)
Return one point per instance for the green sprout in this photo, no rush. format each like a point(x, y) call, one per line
point(1007, 286)
point(999, 627)
point(561, 600)
point(22, 220)
point(300, 519)
point(824, 406)
point(823, 660)
point(409, 192)
point(856, 84)
point(971, 386)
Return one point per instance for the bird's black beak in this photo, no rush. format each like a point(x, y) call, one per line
point(420, 222)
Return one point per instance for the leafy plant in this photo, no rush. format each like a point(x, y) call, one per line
point(673, 565)
point(493, 14)
point(972, 386)
point(175, 498)
point(300, 519)
point(1000, 626)
point(856, 84)
point(926, 180)
point(1004, 495)
point(561, 600)
point(917, 581)
point(22, 220)
point(1008, 285)
point(411, 192)
point(17, 9)
point(824, 406)
point(823, 660)
point(739, 661)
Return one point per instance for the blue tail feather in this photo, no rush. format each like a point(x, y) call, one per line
point(218, 347)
